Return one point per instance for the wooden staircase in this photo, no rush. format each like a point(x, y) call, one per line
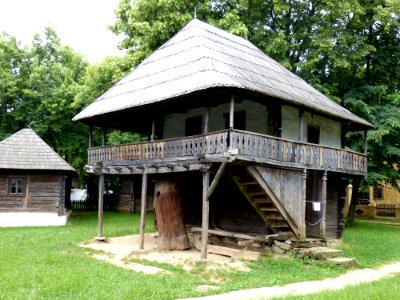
point(260, 196)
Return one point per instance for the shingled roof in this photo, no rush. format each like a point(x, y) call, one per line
point(201, 56)
point(25, 150)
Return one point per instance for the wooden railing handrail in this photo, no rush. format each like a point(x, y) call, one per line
point(261, 146)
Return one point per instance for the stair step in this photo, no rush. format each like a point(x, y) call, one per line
point(262, 201)
point(279, 224)
point(247, 183)
point(256, 193)
point(320, 252)
point(343, 261)
point(268, 209)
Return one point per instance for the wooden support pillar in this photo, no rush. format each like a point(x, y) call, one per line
point(205, 216)
point(100, 209)
point(207, 121)
point(301, 125)
point(323, 203)
point(143, 209)
point(103, 137)
point(232, 113)
point(153, 130)
point(365, 142)
point(303, 228)
point(90, 143)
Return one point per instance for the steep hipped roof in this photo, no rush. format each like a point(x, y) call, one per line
point(201, 56)
point(25, 150)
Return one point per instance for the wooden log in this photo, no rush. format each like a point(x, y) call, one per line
point(169, 215)
point(234, 253)
point(243, 236)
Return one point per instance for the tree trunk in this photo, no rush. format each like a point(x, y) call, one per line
point(169, 215)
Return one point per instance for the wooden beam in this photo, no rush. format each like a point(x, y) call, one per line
point(232, 113)
point(301, 125)
point(216, 180)
point(100, 209)
point(234, 253)
point(206, 120)
point(143, 210)
point(90, 142)
point(103, 137)
point(205, 216)
point(153, 130)
point(323, 203)
point(303, 227)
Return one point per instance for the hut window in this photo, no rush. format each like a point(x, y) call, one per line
point(378, 194)
point(193, 125)
point(313, 134)
point(17, 186)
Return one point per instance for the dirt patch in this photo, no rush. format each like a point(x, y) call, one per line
point(119, 250)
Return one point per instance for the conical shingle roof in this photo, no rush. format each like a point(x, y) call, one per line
point(201, 56)
point(25, 150)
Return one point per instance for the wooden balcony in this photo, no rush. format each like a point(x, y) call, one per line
point(235, 144)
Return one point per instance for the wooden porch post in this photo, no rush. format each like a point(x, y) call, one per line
point(232, 113)
point(143, 209)
point(366, 142)
point(301, 125)
point(323, 203)
point(90, 136)
point(153, 130)
point(206, 120)
point(205, 215)
point(103, 137)
point(100, 209)
point(303, 229)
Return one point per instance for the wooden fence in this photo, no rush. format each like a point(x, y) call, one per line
point(386, 209)
point(110, 204)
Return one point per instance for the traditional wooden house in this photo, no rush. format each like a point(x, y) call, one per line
point(35, 182)
point(217, 108)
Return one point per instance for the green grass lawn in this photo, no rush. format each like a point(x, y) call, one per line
point(47, 263)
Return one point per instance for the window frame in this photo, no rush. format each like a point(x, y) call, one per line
point(16, 179)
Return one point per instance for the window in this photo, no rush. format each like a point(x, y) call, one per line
point(313, 134)
point(193, 126)
point(239, 119)
point(16, 186)
point(378, 194)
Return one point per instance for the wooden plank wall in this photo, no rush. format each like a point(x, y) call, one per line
point(287, 186)
point(125, 195)
point(44, 192)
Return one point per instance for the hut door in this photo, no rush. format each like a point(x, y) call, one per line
point(313, 204)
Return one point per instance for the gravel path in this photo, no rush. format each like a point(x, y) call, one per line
point(310, 287)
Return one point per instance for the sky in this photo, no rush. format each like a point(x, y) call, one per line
point(81, 24)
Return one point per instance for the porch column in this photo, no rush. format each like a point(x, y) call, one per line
point(153, 130)
point(366, 142)
point(100, 209)
point(323, 203)
point(103, 137)
point(206, 120)
point(303, 228)
point(301, 125)
point(143, 209)
point(90, 137)
point(232, 113)
point(205, 215)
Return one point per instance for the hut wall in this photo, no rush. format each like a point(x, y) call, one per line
point(45, 193)
point(330, 130)
point(287, 187)
point(256, 118)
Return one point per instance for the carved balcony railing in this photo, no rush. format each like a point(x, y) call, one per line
point(262, 148)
